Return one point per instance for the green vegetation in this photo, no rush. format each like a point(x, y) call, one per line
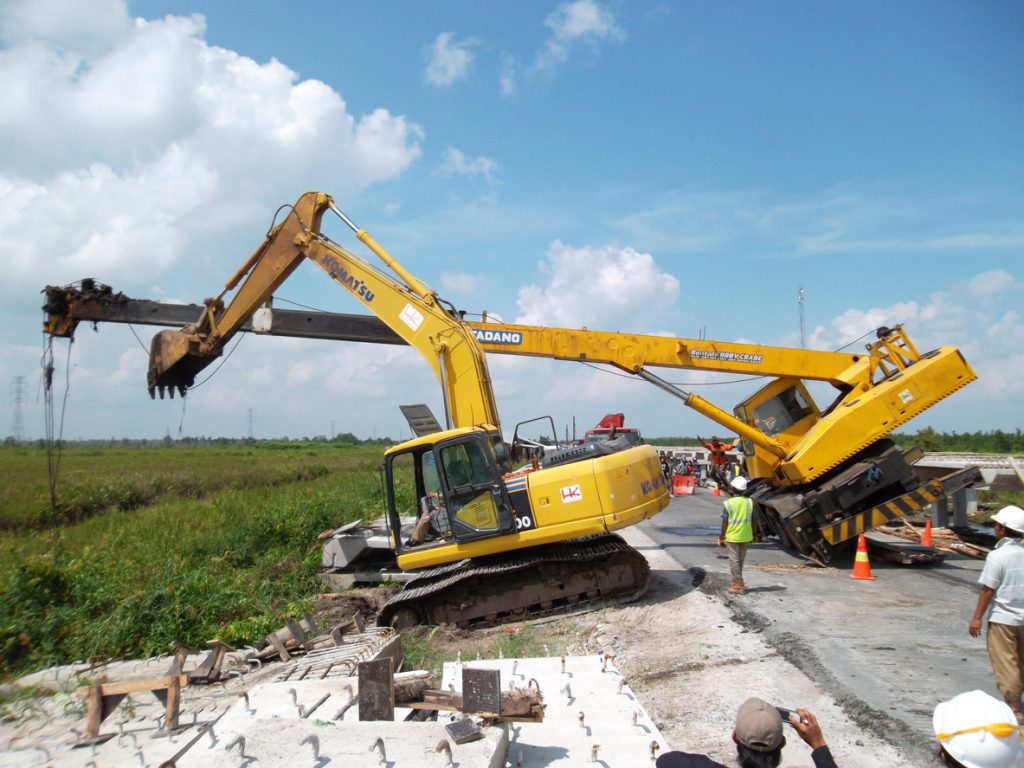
point(154, 545)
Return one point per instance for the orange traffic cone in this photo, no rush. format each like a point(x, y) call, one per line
point(716, 492)
point(926, 537)
point(861, 565)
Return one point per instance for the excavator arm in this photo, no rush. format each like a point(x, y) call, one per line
point(406, 305)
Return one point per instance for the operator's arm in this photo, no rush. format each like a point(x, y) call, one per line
point(806, 724)
point(984, 600)
point(725, 524)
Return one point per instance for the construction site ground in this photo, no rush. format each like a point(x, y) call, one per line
point(870, 658)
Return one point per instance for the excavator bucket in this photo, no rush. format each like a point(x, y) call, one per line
point(174, 363)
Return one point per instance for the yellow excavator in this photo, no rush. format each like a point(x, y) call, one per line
point(820, 476)
point(489, 542)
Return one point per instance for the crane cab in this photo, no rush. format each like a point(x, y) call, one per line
point(782, 410)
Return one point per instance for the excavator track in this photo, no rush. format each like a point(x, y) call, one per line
point(549, 579)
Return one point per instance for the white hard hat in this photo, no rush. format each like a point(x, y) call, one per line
point(740, 484)
point(978, 730)
point(1012, 517)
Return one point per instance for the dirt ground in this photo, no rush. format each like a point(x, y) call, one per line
point(691, 657)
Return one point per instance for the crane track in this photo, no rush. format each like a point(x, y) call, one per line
point(488, 591)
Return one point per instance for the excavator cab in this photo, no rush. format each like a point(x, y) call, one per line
point(455, 478)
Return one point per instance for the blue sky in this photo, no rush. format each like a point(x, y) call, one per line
point(673, 168)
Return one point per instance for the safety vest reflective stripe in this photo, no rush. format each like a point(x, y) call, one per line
point(740, 515)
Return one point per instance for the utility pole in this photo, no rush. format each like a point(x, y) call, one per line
point(800, 309)
point(250, 423)
point(18, 401)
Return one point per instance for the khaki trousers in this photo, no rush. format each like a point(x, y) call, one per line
point(1006, 652)
point(737, 554)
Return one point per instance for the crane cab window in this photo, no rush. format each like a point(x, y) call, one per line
point(781, 412)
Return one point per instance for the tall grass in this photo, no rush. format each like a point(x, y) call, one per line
point(231, 555)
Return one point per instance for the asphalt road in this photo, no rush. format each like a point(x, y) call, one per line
point(888, 650)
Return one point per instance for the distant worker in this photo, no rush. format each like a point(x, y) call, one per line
point(976, 730)
point(737, 531)
point(719, 460)
point(759, 740)
point(1002, 589)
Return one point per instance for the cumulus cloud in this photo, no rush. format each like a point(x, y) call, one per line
point(126, 142)
point(448, 60)
point(573, 24)
point(455, 163)
point(598, 287)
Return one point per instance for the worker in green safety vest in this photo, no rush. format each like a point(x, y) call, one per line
point(737, 531)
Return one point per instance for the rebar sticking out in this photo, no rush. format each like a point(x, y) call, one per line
point(314, 741)
point(240, 741)
point(213, 736)
point(582, 718)
point(515, 666)
point(567, 690)
point(655, 746)
point(636, 717)
point(378, 746)
point(593, 753)
point(563, 665)
point(142, 758)
point(533, 684)
point(446, 749)
point(622, 682)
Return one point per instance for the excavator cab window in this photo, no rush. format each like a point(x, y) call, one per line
point(477, 503)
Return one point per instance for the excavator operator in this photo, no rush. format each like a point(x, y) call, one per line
point(433, 519)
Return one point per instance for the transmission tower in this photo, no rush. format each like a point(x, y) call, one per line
point(250, 423)
point(18, 403)
point(800, 310)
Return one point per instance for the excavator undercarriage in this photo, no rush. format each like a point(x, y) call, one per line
point(509, 587)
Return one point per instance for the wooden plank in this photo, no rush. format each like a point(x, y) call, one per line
point(132, 686)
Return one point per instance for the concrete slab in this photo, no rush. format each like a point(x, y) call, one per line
point(614, 729)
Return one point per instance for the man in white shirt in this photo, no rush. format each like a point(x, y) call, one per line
point(1002, 588)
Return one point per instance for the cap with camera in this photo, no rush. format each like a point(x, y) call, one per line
point(759, 726)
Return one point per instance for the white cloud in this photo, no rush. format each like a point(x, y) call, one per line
point(63, 24)
point(606, 288)
point(129, 143)
point(989, 283)
point(464, 283)
point(448, 60)
point(507, 80)
point(575, 23)
point(456, 163)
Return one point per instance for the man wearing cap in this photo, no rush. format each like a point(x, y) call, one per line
point(1002, 588)
point(737, 531)
point(759, 740)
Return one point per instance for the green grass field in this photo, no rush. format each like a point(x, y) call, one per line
point(153, 545)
